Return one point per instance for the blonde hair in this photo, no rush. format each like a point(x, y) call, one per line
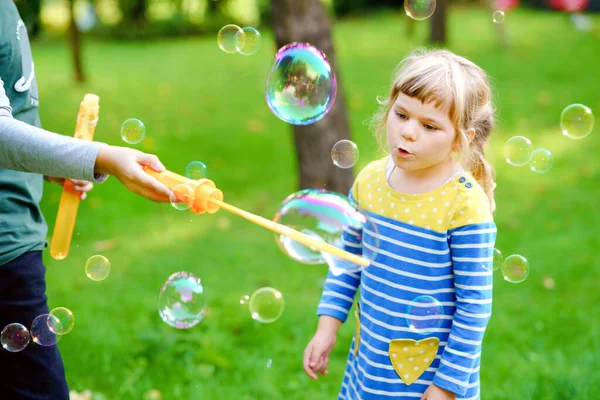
point(457, 85)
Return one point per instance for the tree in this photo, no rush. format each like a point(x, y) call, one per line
point(438, 23)
point(75, 43)
point(307, 21)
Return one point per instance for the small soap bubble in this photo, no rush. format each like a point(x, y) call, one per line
point(14, 337)
point(97, 268)
point(248, 41)
point(517, 151)
point(541, 161)
point(182, 197)
point(196, 170)
point(244, 300)
point(226, 38)
point(266, 305)
point(40, 330)
point(133, 131)
point(425, 314)
point(577, 121)
point(498, 259)
point(419, 9)
point(498, 17)
point(344, 154)
point(63, 322)
point(181, 300)
point(515, 268)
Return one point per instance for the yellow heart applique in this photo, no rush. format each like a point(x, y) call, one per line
point(410, 358)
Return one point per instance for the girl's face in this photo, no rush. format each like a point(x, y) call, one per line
point(419, 136)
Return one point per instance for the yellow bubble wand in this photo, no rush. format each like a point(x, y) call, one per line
point(87, 119)
point(207, 198)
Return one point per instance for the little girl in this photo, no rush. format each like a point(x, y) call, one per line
point(436, 232)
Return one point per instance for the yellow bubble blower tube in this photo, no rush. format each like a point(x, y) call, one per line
point(87, 118)
point(207, 198)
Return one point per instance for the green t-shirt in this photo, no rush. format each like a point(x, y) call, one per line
point(22, 225)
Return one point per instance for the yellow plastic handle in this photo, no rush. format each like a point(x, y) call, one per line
point(87, 119)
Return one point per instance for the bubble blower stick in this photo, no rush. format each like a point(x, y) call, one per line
point(69, 200)
point(207, 198)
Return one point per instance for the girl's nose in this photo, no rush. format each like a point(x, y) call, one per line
point(409, 130)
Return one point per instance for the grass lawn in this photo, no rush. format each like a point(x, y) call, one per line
point(199, 103)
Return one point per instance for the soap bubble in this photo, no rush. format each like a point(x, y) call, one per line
point(498, 17)
point(301, 85)
point(419, 9)
point(133, 131)
point(344, 154)
point(248, 41)
point(266, 305)
point(196, 170)
point(541, 161)
point(329, 217)
point(182, 197)
point(515, 268)
point(181, 300)
point(14, 337)
point(226, 38)
point(97, 268)
point(63, 321)
point(40, 330)
point(517, 151)
point(577, 121)
point(424, 314)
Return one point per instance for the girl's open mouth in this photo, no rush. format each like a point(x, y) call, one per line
point(403, 152)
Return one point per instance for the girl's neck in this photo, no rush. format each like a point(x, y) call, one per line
point(423, 180)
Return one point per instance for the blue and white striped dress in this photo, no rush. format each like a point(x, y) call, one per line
point(438, 244)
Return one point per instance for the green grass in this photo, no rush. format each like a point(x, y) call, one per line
point(199, 103)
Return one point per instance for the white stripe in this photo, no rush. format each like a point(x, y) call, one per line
point(476, 397)
point(463, 354)
point(325, 305)
point(383, 392)
point(407, 245)
point(400, 328)
point(467, 287)
point(403, 315)
point(366, 288)
point(468, 273)
point(339, 296)
point(363, 356)
point(398, 271)
point(389, 380)
point(474, 232)
point(466, 314)
point(352, 383)
point(474, 301)
point(471, 259)
point(473, 245)
point(403, 287)
point(406, 259)
point(465, 341)
point(449, 379)
point(405, 230)
point(340, 283)
point(350, 244)
point(454, 366)
point(353, 232)
point(383, 339)
point(469, 328)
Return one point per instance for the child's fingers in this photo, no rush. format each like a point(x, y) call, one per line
point(83, 196)
point(306, 364)
point(321, 365)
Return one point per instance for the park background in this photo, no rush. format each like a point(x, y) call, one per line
point(158, 60)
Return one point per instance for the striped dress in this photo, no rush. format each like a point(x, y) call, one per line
point(437, 244)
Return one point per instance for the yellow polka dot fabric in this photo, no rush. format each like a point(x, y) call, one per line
point(459, 202)
point(410, 358)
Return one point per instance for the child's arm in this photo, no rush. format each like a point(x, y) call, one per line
point(471, 247)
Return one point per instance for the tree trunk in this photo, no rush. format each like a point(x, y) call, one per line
point(307, 21)
point(75, 43)
point(438, 23)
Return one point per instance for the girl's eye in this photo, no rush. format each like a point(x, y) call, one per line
point(401, 116)
point(430, 127)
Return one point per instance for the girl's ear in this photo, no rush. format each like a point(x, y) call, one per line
point(469, 135)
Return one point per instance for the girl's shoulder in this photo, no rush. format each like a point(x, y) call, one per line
point(472, 206)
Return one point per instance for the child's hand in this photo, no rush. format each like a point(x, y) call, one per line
point(316, 354)
point(437, 393)
point(80, 186)
point(127, 166)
